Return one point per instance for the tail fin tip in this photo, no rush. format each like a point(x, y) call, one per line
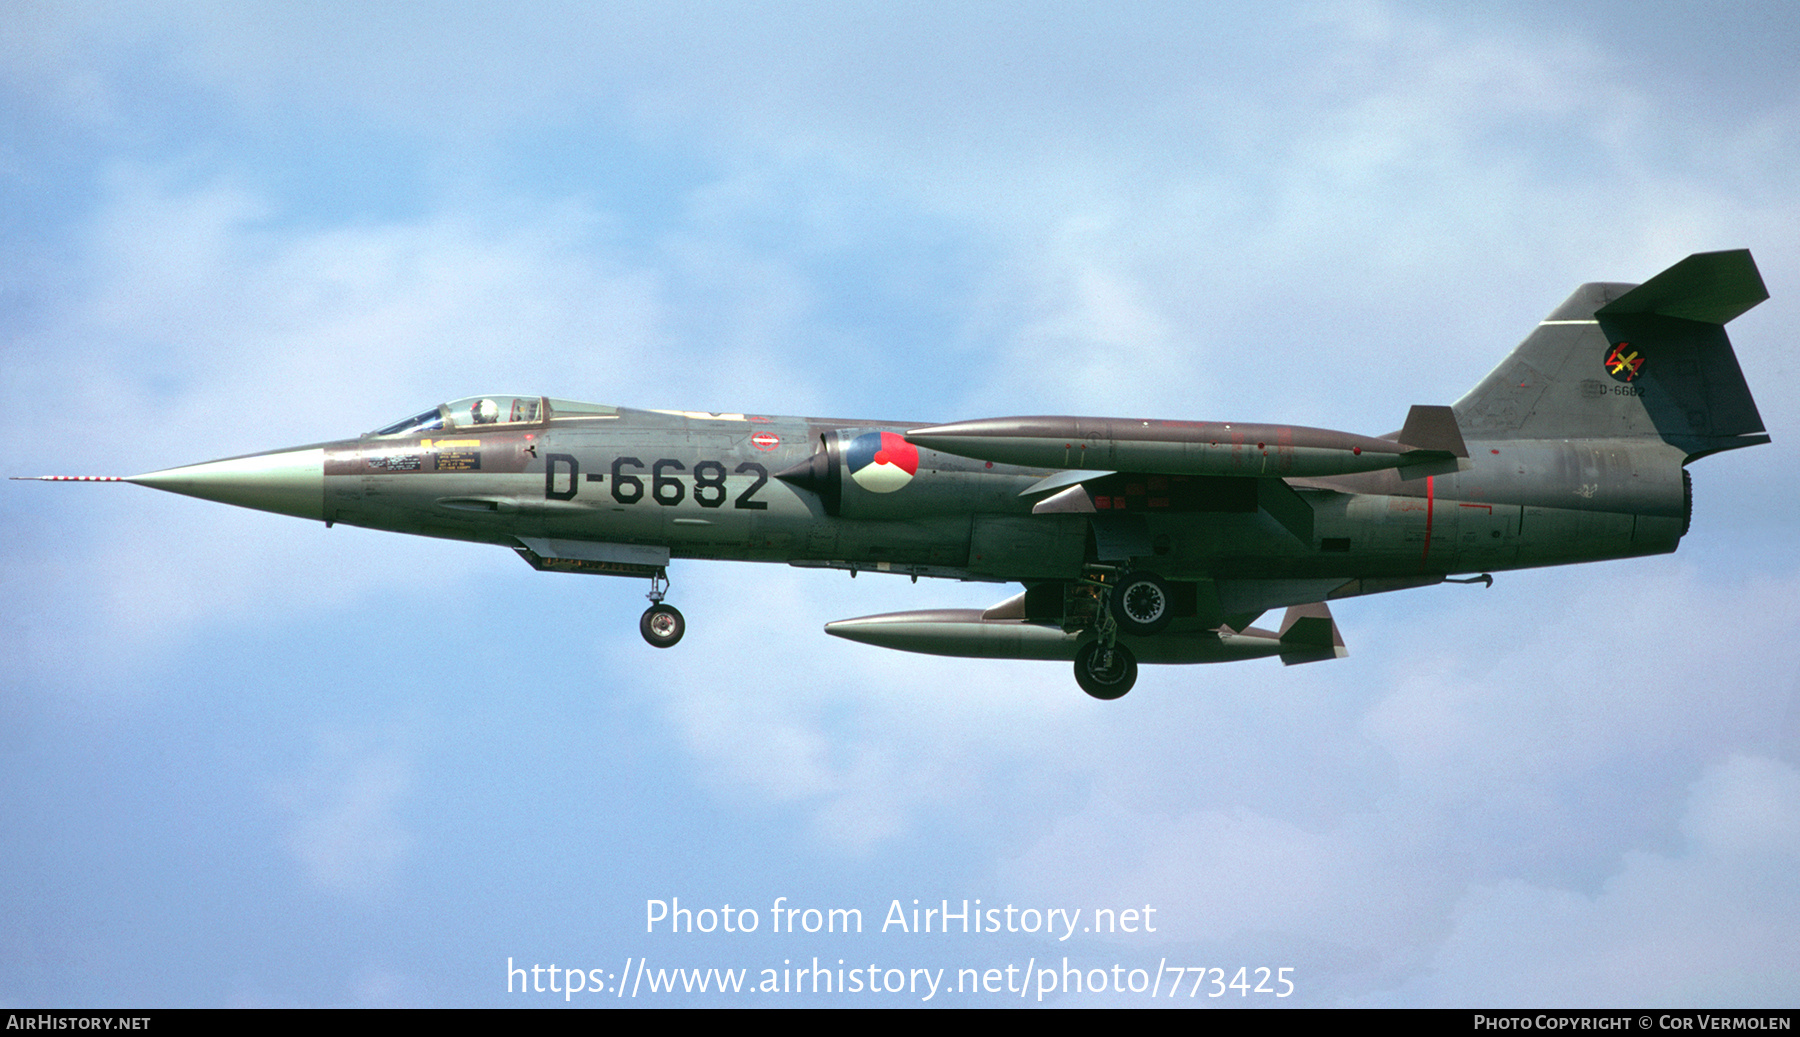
point(1709, 287)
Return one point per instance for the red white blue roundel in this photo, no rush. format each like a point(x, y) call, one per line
point(881, 462)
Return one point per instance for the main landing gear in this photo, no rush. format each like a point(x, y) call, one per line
point(1141, 603)
point(1105, 673)
point(662, 625)
point(1135, 603)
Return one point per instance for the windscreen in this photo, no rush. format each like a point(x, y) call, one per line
point(472, 413)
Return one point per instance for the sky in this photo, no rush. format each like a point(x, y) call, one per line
point(249, 761)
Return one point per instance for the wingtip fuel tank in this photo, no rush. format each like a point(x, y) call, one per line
point(1308, 634)
point(1202, 448)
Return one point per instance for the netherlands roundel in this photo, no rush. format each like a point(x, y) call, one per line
point(881, 462)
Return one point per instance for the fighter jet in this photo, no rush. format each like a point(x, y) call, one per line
point(1135, 540)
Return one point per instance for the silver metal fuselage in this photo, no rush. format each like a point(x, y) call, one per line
point(703, 487)
point(1134, 537)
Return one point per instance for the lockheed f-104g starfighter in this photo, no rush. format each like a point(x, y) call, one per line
point(1135, 540)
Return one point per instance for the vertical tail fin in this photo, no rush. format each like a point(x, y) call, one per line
point(1618, 360)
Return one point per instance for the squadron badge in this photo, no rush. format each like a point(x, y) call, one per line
point(1623, 362)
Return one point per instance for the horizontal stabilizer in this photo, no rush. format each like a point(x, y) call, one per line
point(1709, 287)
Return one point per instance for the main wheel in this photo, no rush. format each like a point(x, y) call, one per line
point(1142, 604)
point(1105, 675)
point(662, 625)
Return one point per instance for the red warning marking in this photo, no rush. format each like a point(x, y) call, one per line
point(1489, 508)
point(765, 441)
point(74, 478)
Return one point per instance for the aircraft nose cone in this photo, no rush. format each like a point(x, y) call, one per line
point(288, 482)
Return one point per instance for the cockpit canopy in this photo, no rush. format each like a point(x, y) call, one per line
point(483, 412)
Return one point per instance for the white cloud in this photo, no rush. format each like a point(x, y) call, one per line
point(1476, 808)
point(1711, 925)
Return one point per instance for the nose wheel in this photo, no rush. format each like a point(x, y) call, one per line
point(661, 624)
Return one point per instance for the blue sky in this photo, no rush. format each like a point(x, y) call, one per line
point(250, 761)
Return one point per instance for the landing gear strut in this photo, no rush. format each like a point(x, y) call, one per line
point(662, 625)
point(1137, 603)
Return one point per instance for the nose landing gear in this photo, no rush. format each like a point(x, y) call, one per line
point(662, 625)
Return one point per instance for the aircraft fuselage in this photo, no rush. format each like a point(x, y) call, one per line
point(1133, 537)
point(705, 487)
